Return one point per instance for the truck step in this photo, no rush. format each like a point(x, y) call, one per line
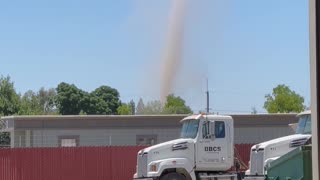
point(206, 176)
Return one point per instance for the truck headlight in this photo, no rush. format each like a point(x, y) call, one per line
point(153, 168)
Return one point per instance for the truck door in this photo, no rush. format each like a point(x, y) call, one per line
point(213, 152)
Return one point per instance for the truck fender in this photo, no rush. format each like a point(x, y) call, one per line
point(181, 164)
point(269, 160)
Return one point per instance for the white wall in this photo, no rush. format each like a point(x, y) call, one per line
point(100, 137)
point(254, 135)
point(121, 137)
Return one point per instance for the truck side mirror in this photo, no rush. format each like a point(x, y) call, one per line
point(212, 129)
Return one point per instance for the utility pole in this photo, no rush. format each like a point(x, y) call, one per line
point(314, 40)
point(207, 92)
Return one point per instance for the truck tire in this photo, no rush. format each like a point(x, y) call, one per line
point(173, 176)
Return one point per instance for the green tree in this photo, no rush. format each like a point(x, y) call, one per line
point(176, 105)
point(153, 107)
point(133, 107)
point(9, 104)
point(110, 96)
point(283, 100)
point(69, 99)
point(30, 104)
point(9, 99)
point(72, 100)
point(140, 107)
point(92, 104)
point(41, 102)
point(47, 100)
point(124, 109)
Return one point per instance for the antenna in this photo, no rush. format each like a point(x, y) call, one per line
point(207, 92)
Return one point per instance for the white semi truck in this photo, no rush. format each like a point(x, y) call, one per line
point(204, 151)
point(263, 153)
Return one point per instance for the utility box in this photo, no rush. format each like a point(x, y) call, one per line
point(296, 165)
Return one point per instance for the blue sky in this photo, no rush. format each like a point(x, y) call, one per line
point(245, 48)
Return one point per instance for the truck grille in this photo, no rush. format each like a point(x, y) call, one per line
point(142, 168)
point(257, 162)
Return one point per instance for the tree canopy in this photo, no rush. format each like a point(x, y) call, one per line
point(47, 99)
point(124, 109)
point(109, 96)
point(153, 107)
point(132, 105)
point(72, 100)
point(283, 100)
point(140, 107)
point(173, 105)
point(176, 105)
point(9, 104)
point(41, 102)
point(9, 99)
point(69, 99)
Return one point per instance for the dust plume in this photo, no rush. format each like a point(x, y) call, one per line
point(172, 54)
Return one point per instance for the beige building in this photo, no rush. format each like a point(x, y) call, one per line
point(102, 130)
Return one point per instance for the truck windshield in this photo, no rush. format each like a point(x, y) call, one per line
point(190, 129)
point(304, 125)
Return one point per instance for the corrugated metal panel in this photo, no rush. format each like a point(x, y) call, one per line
point(80, 163)
point(242, 151)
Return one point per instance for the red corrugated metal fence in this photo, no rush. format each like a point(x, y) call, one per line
point(243, 151)
point(80, 163)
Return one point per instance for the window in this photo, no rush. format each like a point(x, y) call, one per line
point(307, 129)
point(189, 129)
point(146, 140)
point(205, 130)
point(68, 141)
point(304, 125)
point(219, 129)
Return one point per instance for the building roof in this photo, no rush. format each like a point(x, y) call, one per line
point(134, 121)
point(92, 117)
point(133, 117)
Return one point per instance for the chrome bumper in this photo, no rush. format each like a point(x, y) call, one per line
point(142, 178)
point(254, 178)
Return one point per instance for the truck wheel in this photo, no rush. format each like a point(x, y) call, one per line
point(173, 176)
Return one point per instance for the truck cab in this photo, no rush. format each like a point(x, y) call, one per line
point(204, 149)
point(263, 153)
